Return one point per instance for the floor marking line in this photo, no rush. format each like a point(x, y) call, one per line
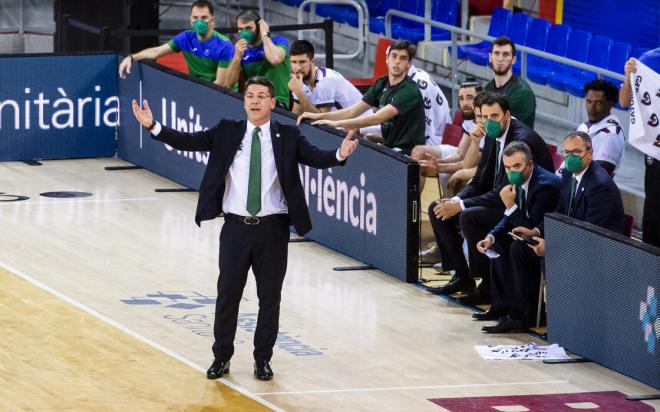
point(471, 385)
point(131, 332)
point(62, 202)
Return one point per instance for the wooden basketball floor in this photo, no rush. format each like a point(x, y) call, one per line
point(107, 304)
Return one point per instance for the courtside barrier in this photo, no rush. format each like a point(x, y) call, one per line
point(603, 293)
point(366, 209)
point(58, 106)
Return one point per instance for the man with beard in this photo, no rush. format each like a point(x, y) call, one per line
point(262, 54)
point(603, 126)
point(397, 98)
point(443, 159)
point(520, 96)
point(207, 52)
point(317, 89)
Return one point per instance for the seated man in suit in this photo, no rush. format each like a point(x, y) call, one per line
point(533, 192)
point(478, 207)
point(258, 189)
point(587, 193)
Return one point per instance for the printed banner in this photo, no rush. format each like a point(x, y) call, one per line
point(645, 111)
point(58, 107)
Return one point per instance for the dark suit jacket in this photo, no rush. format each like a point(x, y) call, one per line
point(597, 200)
point(542, 197)
point(480, 191)
point(223, 141)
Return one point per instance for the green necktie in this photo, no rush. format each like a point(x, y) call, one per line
point(254, 181)
point(570, 200)
point(497, 161)
point(521, 199)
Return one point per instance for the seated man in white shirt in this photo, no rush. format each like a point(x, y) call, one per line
point(603, 126)
point(317, 89)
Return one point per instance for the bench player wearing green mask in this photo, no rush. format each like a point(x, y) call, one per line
point(207, 52)
point(261, 54)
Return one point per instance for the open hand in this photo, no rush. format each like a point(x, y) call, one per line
point(348, 145)
point(144, 115)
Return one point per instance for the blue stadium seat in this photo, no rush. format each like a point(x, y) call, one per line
point(517, 32)
point(538, 68)
point(294, 3)
point(499, 24)
point(444, 11)
point(572, 79)
point(618, 57)
point(377, 24)
point(537, 38)
point(638, 51)
point(377, 8)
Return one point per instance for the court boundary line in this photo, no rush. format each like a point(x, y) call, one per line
point(64, 202)
point(393, 388)
point(132, 333)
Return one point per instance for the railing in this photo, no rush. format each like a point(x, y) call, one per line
point(363, 26)
point(524, 51)
point(104, 33)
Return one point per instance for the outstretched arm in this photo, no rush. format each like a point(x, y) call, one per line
point(198, 141)
point(151, 53)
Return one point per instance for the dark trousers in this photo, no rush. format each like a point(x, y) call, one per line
point(500, 276)
point(475, 223)
point(651, 219)
point(525, 280)
point(263, 247)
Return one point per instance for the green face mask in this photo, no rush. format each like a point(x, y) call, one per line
point(573, 163)
point(200, 27)
point(247, 34)
point(516, 177)
point(493, 128)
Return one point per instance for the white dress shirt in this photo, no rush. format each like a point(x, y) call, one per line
point(236, 181)
point(234, 199)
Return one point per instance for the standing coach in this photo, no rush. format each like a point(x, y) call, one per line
point(252, 177)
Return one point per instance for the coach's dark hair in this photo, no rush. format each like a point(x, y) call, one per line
point(302, 47)
point(403, 45)
point(582, 135)
point(488, 98)
point(518, 146)
point(203, 3)
point(261, 81)
point(608, 88)
point(503, 41)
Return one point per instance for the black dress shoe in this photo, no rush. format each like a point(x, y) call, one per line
point(217, 369)
point(506, 325)
point(474, 298)
point(453, 286)
point(491, 314)
point(262, 370)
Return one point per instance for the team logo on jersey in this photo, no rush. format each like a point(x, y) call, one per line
point(427, 103)
point(646, 98)
point(439, 100)
point(422, 84)
point(653, 120)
